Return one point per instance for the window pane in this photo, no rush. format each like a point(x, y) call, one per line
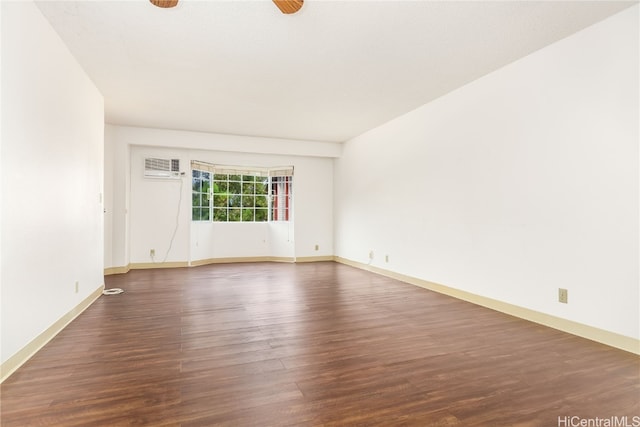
point(220, 201)
point(235, 188)
point(220, 215)
point(195, 214)
point(248, 178)
point(204, 214)
point(234, 178)
point(261, 201)
point(261, 214)
point(220, 187)
point(235, 200)
point(195, 199)
point(261, 188)
point(234, 214)
point(220, 177)
point(206, 176)
point(204, 200)
point(247, 215)
point(205, 186)
point(248, 188)
point(196, 184)
point(248, 201)
point(195, 174)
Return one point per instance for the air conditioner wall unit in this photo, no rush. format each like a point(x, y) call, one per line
point(162, 168)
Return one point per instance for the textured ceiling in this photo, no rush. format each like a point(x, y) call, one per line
point(328, 73)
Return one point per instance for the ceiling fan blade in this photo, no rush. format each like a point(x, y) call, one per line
point(164, 3)
point(289, 6)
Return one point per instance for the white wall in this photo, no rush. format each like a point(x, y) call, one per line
point(109, 153)
point(117, 198)
point(52, 169)
point(154, 203)
point(517, 184)
point(158, 206)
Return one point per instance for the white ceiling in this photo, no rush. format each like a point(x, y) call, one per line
point(328, 73)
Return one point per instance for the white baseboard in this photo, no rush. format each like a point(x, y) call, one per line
point(231, 260)
point(611, 339)
point(148, 265)
point(178, 264)
point(117, 270)
point(18, 359)
point(228, 260)
point(315, 258)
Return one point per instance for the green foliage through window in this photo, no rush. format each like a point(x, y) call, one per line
point(229, 197)
point(200, 195)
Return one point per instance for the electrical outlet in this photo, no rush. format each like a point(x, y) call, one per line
point(77, 288)
point(563, 296)
point(386, 258)
point(152, 253)
point(370, 254)
point(317, 247)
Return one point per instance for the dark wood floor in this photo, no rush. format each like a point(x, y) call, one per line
point(273, 344)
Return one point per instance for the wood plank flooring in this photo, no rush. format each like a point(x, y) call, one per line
point(318, 344)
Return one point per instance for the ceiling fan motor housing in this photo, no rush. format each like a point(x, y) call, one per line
point(164, 3)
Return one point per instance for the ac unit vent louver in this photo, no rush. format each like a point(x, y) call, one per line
point(162, 168)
